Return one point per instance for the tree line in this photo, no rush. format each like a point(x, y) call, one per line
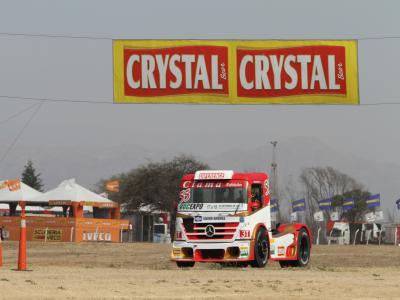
point(156, 185)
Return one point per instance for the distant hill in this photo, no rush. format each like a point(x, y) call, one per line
point(297, 153)
point(89, 164)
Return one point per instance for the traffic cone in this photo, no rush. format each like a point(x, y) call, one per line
point(22, 242)
point(1, 253)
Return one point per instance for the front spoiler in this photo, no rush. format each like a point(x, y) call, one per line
point(243, 245)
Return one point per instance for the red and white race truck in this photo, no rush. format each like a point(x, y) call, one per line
point(224, 217)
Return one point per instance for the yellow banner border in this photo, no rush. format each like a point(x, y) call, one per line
point(351, 46)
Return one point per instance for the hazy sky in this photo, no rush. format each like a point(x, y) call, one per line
point(82, 69)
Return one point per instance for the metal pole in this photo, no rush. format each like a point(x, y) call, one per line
point(274, 167)
point(380, 236)
point(355, 236)
point(274, 178)
point(72, 234)
point(319, 229)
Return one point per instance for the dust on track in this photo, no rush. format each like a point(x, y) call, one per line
point(143, 270)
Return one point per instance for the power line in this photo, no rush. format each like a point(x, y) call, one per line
point(88, 101)
point(55, 99)
point(17, 114)
point(21, 132)
point(62, 36)
point(87, 37)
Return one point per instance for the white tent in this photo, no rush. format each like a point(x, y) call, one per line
point(32, 208)
point(70, 191)
point(24, 193)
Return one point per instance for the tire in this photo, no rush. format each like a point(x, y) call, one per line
point(185, 264)
point(261, 249)
point(304, 251)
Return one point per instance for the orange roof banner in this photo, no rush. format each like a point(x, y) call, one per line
point(112, 186)
point(236, 71)
point(14, 185)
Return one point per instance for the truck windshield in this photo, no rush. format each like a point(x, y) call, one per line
point(216, 195)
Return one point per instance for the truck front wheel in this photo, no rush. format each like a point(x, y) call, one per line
point(185, 264)
point(261, 249)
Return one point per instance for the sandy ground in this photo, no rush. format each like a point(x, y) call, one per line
point(140, 270)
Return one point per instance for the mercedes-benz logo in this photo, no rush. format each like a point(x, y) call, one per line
point(210, 230)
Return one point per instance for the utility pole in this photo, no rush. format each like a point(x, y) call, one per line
point(274, 175)
point(274, 180)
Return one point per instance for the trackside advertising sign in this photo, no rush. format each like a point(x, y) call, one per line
point(235, 72)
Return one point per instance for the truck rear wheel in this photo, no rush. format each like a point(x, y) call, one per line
point(185, 264)
point(304, 249)
point(303, 252)
point(261, 249)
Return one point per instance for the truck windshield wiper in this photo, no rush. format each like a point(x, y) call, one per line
point(237, 207)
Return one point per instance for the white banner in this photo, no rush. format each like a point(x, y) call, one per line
point(293, 217)
point(370, 217)
point(379, 215)
point(319, 216)
point(334, 216)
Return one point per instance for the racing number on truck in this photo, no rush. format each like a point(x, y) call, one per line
point(244, 233)
point(184, 195)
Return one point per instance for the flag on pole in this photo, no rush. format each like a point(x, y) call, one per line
point(374, 201)
point(293, 217)
point(274, 205)
point(334, 216)
point(319, 216)
point(112, 186)
point(325, 204)
point(348, 204)
point(398, 204)
point(299, 205)
point(370, 217)
point(379, 215)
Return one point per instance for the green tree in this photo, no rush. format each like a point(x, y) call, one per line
point(31, 178)
point(360, 207)
point(155, 184)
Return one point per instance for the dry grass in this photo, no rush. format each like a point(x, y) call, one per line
point(140, 270)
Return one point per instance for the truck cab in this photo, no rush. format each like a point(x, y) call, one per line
point(339, 234)
point(224, 216)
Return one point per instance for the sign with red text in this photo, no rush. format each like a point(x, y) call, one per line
point(235, 72)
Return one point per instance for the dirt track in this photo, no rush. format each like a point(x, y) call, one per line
point(125, 271)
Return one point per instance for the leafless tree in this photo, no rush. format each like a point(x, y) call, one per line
point(322, 183)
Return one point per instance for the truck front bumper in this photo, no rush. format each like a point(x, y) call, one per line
point(212, 252)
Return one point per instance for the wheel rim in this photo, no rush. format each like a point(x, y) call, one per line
point(304, 250)
point(262, 248)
